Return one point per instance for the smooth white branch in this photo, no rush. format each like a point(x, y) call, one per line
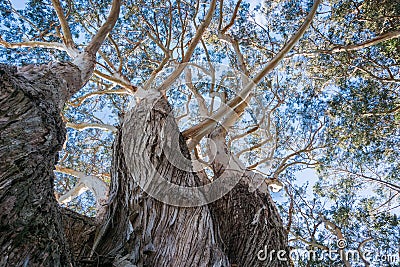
point(85, 182)
point(84, 126)
point(203, 128)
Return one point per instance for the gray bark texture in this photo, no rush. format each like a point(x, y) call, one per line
point(143, 231)
point(247, 217)
point(249, 222)
point(31, 134)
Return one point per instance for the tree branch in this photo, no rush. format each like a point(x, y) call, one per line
point(334, 229)
point(346, 48)
point(84, 126)
point(94, 183)
point(76, 191)
point(379, 39)
point(102, 33)
point(32, 44)
point(368, 178)
point(85, 61)
point(232, 21)
point(383, 113)
point(67, 38)
point(117, 79)
point(203, 128)
point(188, 54)
point(77, 102)
point(289, 45)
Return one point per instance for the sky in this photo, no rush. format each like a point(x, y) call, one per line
point(18, 4)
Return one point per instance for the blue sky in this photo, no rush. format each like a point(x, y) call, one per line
point(18, 4)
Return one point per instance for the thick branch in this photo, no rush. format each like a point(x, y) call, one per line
point(32, 44)
point(116, 79)
point(76, 191)
point(232, 21)
point(86, 60)
point(102, 33)
point(77, 102)
point(68, 41)
point(286, 49)
point(94, 183)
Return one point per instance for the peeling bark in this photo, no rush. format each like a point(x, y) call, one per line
point(156, 234)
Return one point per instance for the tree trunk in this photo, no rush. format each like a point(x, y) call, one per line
point(247, 217)
point(141, 230)
point(79, 232)
point(248, 223)
point(31, 134)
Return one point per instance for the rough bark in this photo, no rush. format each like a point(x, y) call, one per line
point(31, 134)
point(79, 231)
point(140, 230)
point(247, 218)
point(249, 222)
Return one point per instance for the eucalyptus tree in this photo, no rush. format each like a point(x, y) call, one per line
point(211, 103)
point(138, 227)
